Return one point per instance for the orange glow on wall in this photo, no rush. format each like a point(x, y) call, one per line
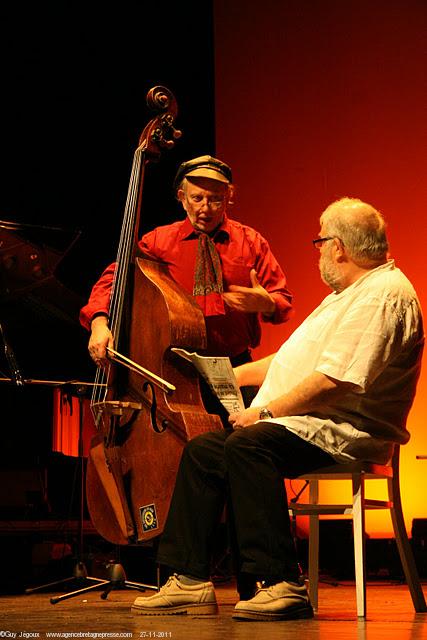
point(315, 101)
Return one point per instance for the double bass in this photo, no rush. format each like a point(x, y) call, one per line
point(147, 403)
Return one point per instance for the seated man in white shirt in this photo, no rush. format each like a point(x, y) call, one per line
point(339, 389)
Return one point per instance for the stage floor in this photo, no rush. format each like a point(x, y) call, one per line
point(390, 615)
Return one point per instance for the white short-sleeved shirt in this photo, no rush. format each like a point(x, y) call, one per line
point(371, 335)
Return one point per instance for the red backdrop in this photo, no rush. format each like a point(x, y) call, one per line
point(315, 101)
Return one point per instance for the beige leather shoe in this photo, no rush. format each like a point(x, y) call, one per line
point(281, 601)
point(175, 597)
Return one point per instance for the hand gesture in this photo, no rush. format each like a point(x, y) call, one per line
point(253, 299)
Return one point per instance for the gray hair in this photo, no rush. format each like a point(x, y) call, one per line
point(360, 227)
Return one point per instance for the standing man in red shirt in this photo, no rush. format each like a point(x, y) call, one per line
point(227, 266)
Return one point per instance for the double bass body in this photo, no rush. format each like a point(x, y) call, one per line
point(133, 461)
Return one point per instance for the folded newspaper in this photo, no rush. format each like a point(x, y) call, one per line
point(219, 374)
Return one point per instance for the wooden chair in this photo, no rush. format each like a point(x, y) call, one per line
point(358, 473)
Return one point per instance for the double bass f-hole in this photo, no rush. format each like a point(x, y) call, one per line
point(153, 408)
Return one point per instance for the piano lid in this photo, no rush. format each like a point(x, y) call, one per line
point(39, 312)
point(30, 255)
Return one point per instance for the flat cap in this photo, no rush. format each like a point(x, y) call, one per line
point(203, 167)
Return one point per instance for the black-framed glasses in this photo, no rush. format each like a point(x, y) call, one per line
point(319, 242)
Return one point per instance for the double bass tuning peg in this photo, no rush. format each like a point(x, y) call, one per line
point(176, 133)
point(160, 138)
point(169, 127)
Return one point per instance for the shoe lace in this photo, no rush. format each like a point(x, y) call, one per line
point(169, 581)
point(261, 585)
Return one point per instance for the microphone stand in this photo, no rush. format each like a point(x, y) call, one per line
point(15, 371)
point(80, 574)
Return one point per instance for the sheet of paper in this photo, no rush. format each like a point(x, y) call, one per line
point(218, 373)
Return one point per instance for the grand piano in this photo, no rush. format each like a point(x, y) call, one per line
point(41, 344)
point(39, 313)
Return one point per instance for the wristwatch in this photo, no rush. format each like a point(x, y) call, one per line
point(265, 413)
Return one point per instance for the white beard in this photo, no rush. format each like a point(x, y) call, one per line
point(329, 273)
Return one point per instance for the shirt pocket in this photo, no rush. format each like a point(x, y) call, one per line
point(237, 274)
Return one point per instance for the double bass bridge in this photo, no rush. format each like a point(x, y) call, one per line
point(114, 415)
point(116, 408)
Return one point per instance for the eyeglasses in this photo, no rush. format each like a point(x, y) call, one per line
point(215, 202)
point(319, 242)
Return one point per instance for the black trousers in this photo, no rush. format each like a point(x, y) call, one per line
point(244, 469)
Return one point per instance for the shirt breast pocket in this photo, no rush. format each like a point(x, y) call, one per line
point(236, 273)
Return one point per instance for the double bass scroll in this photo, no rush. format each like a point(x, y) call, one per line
point(142, 428)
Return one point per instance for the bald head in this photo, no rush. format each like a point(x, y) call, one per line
point(361, 229)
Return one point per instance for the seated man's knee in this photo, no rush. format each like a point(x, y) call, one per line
point(240, 439)
point(202, 447)
point(195, 444)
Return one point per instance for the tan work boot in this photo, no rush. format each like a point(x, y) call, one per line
point(175, 597)
point(281, 601)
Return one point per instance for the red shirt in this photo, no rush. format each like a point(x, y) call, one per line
point(240, 249)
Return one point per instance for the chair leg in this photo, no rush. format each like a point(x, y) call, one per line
point(313, 547)
point(404, 547)
point(359, 543)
